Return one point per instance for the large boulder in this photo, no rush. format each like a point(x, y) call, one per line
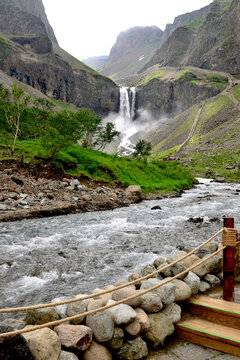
point(182, 291)
point(173, 312)
point(102, 325)
point(97, 352)
point(61, 309)
point(143, 320)
point(14, 347)
point(149, 283)
point(193, 281)
point(133, 350)
point(204, 286)
point(160, 327)
point(117, 339)
point(41, 316)
point(134, 277)
point(65, 355)
point(78, 308)
point(133, 328)
point(77, 337)
point(208, 249)
point(127, 292)
point(121, 314)
point(215, 264)
point(151, 303)
point(168, 293)
point(44, 344)
point(149, 269)
point(212, 280)
point(185, 264)
point(134, 192)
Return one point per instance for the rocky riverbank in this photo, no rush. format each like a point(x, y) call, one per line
point(127, 331)
point(40, 191)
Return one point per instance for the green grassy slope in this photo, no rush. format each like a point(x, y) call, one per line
point(82, 162)
point(215, 145)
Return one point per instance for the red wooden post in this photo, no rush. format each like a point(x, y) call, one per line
point(228, 265)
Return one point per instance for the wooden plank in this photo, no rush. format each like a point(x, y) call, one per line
point(216, 304)
point(211, 330)
point(216, 316)
point(210, 343)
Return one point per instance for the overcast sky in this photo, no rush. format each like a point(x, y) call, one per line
point(87, 28)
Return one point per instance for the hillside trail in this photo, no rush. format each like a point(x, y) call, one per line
point(231, 83)
point(192, 129)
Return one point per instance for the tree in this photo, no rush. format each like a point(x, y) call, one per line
point(15, 102)
point(142, 149)
point(89, 125)
point(106, 135)
point(43, 109)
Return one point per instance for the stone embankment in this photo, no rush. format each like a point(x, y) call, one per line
point(27, 192)
point(127, 331)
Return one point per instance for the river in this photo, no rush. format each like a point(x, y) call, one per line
point(42, 259)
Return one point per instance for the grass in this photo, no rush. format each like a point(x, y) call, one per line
point(78, 161)
point(236, 92)
point(187, 75)
point(212, 108)
point(62, 104)
point(145, 81)
point(196, 24)
point(219, 162)
point(224, 7)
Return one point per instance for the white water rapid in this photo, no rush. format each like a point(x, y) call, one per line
point(41, 259)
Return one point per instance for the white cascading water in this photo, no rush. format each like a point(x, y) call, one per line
point(124, 123)
point(124, 109)
point(133, 103)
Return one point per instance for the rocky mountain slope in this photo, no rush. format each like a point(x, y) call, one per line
point(96, 62)
point(168, 90)
point(211, 42)
point(135, 48)
point(132, 50)
point(29, 53)
point(206, 136)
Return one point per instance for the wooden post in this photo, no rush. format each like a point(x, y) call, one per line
point(228, 265)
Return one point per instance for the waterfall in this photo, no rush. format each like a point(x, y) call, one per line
point(127, 103)
point(124, 122)
point(124, 110)
point(133, 103)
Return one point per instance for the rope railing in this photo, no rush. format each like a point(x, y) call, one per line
point(90, 296)
point(106, 307)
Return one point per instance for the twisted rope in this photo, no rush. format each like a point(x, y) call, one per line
point(140, 293)
point(42, 306)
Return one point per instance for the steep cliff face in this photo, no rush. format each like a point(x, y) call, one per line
point(210, 43)
point(29, 53)
point(173, 90)
point(33, 7)
point(132, 50)
point(187, 18)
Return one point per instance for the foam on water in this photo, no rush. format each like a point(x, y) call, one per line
point(74, 254)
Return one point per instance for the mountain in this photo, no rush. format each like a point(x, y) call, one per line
point(170, 90)
point(96, 62)
point(29, 52)
point(139, 47)
point(206, 136)
point(211, 42)
point(132, 50)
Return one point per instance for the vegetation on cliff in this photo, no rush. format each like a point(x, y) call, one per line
point(37, 134)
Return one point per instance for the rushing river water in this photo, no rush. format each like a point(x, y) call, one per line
point(44, 258)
